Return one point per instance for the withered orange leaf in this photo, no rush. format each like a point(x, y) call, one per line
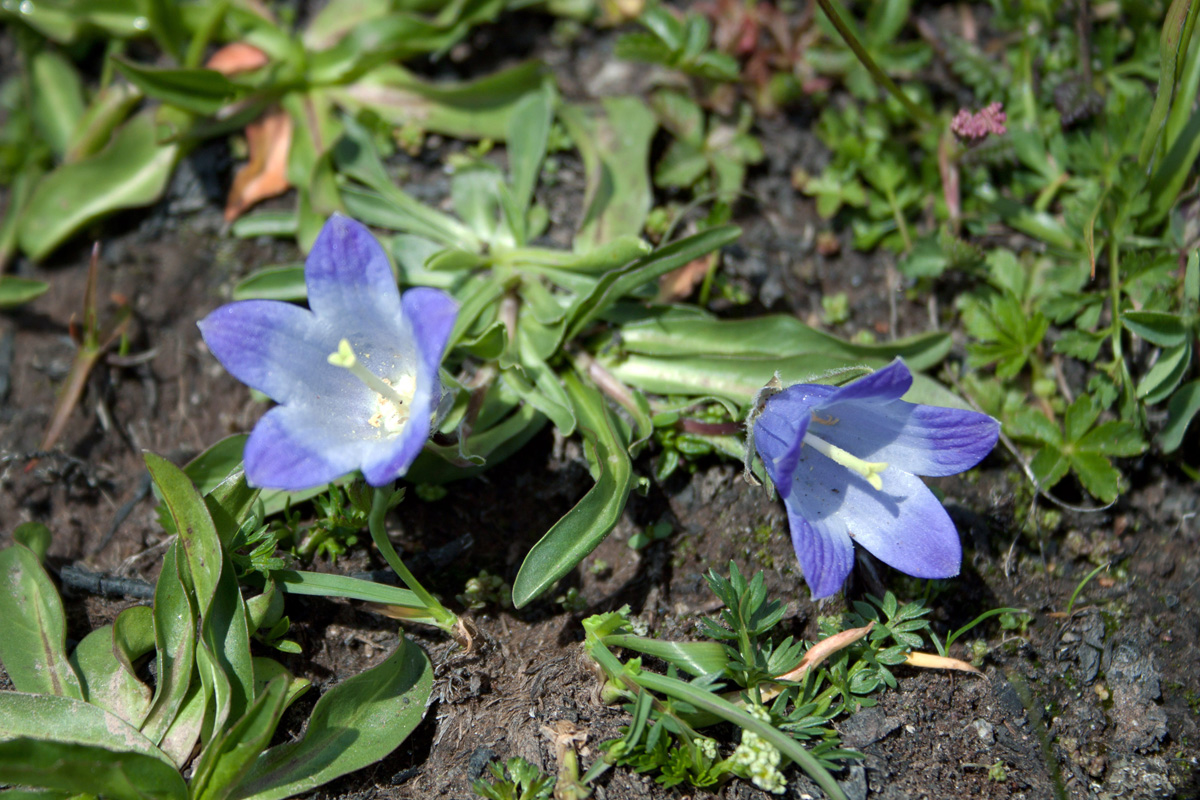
point(269, 138)
point(679, 283)
point(930, 661)
point(237, 57)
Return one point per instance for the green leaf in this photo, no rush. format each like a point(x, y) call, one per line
point(615, 147)
point(33, 647)
point(528, 134)
point(1031, 424)
point(493, 444)
point(1184, 406)
point(48, 717)
point(735, 378)
point(108, 109)
point(1173, 45)
point(1157, 327)
point(198, 535)
point(267, 669)
point(323, 584)
point(694, 658)
point(1166, 374)
point(35, 536)
point(226, 761)
point(772, 335)
point(579, 532)
point(209, 469)
point(224, 657)
point(1113, 438)
point(201, 91)
point(105, 680)
point(482, 109)
point(175, 652)
point(1101, 479)
point(16, 291)
point(358, 722)
point(615, 284)
point(57, 96)
point(131, 171)
point(273, 283)
point(89, 770)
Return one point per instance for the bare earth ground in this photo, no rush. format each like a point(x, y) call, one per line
point(1104, 703)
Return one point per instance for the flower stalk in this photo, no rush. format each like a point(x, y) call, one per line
point(443, 617)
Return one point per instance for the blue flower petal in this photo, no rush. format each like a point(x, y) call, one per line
point(295, 448)
point(826, 557)
point(277, 348)
point(779, 430)
point(889, 383)
point(923, 440)
point(350, 282)
point(330, 422)
point(903, 524)
point(429, 317)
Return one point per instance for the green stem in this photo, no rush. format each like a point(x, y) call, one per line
point(898, 215)
point(878, 74)
point(445, 619)
point(1114, 288)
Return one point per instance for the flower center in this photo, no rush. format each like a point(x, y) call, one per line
point(868, 469)
point(392, 400)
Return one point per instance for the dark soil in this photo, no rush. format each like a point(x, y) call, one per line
point(1102, 703)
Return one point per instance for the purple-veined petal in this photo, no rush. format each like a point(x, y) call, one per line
point(923, 440)
point(779, 429)
point(902, 524)
point(889, 383)
point(277, 348)
point(429, 316)
point(350, 282)
point(295, 448)
point(826, 557)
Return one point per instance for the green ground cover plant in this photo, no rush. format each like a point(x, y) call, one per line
point(1040, 197)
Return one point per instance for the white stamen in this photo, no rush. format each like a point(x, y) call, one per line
point(868, 469)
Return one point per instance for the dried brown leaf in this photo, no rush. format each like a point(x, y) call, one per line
point(237, 57)
point(678, 284)
point(269, 138)
point(930, 661)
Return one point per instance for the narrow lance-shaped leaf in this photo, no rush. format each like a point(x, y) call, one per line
point(175, 648)
point(222, 765)
point(33, 646)
point(579, 532)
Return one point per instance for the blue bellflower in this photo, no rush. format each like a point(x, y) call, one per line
point(846, 461)
point(356, 377)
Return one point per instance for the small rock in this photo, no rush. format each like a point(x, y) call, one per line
point(479, 760)
point(855, 785)
point(985, 730)
point(1133, 680)
point(867, 726)
point(1135, 779)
